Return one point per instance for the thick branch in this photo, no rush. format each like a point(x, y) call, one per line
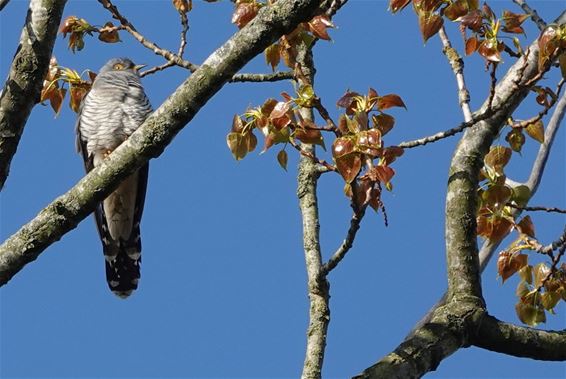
point(153, 136)
point(519, 341)
point(429, 345)
point(25, 80)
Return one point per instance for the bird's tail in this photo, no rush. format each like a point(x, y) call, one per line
point(123, 262)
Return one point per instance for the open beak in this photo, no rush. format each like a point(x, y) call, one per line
point(138, 67)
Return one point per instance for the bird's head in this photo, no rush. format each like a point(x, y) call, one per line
point(121, 64)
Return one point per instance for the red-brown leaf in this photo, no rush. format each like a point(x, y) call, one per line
point(472, 45)
point(389, 101)
point(349, 166)
point(430, 24)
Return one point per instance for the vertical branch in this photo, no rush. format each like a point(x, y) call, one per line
point(318, 286)
point(25, 80)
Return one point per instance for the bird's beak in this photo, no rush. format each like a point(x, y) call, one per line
point(138, 67)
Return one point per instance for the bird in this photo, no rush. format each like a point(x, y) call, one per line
point(111, 111)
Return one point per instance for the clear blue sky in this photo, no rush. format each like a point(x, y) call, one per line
point(223, 288)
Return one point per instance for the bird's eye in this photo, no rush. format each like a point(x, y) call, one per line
point(118, 66)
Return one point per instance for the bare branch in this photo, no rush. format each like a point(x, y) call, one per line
point(544, 150)
point(274, 77)
point(531, 12)
point(347, 243)
point(318, 286)
point(457, 65)
point(3, 3)
point(25, 80)
point(170, 56)
point(519, 341)
point(153, 136)
point(538, 208)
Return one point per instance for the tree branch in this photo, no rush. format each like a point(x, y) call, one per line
point(318, 286)
point(25, 80)
point(169, 55)
point(153, 136)
point(519, 341)
point(531, 12)
point(411, 359)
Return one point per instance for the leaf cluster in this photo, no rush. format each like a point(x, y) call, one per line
point(55, 83)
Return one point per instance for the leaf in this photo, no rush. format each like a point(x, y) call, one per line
point(306, 96)
point(279, 116)
point(282, 159)
point(516, 139)
point(492, 226)
point(78, 92)
point(548, 43)
point(383, 122)
point(509, 263)
point(429, 25)
point(250, 141)
point(562, 63)
point(342, 146)
point(349, 166)
point(498, 157)
point(384, 173)
point(526, 226)
point(397, 5)
point(526, 274)
point(389, 101)
point(472, 45)
point(456, 10)
point(237, 124)
point(513, 21)
point(272, 56)
point(347, 101)
point(497, 195)
point(318, 26)
point(522, 289)
point(521, 195)
point(529, 314)
point(306, 134)
point(473, 20)
point(109, 33)
point(244, 13)
point(490, 49)
point(236, 145)
point(540, 272)
point(535, 130)
point(391, 153)
point(368, 142)
point(549, 300)
point(183, 6)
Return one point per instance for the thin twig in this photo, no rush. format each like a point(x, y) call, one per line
point(492, 84)
point(348, 242)
point(450, 132)
point(535, 208)
point(325, 116)
point(308, 154)
point(170, 56)
point(184, 29)
point(531, 12)
point(541, 114)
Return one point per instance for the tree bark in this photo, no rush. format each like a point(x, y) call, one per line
point(22, 89)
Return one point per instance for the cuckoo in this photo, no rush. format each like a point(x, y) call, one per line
point(113, 109)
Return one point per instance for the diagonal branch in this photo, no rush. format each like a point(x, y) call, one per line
point(153, 136)
point(25, 80)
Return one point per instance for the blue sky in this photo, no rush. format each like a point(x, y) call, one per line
point(223, 288)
